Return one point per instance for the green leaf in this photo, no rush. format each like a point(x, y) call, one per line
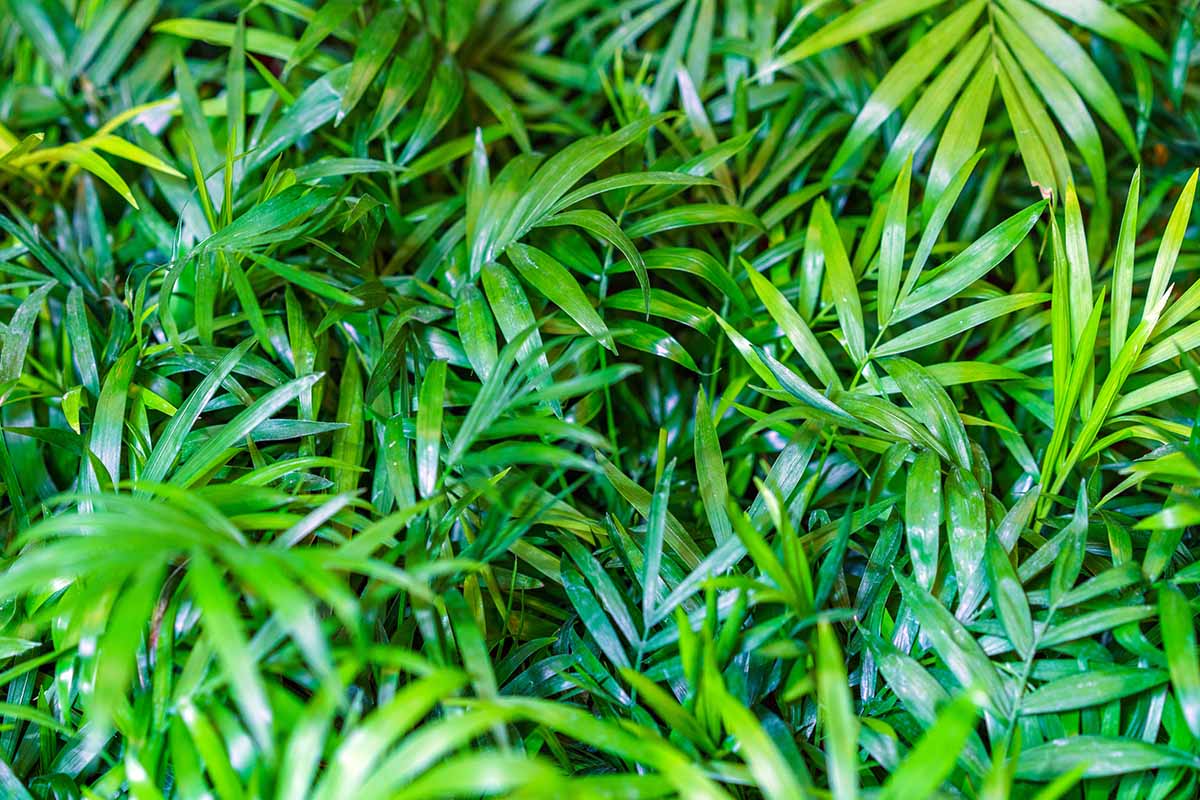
point(1179, 643)
point(966, 529)
point(1104, 20)
point(841, 726)
point(1095, 687)
point(932, 405)
point(266, 42)
point(1122, 280)
point(1098, 756)
point(445, 93)
point(842, 284)
point(794, 328)
point(551, 278)
point(1059, 95)
point(374, 47)
point(772, 774)
point(971, 264)
point(862, 21)
point(501, 106)
point(306, 280)
point(227, 638)
point(891, 245)
point(607, 229)
point(348, 440)
point(593, 617)
point(1168, 249)
point(958, 323)
point(108, 426)
point(930, 107)
point(905, 76)
point(935, 221)
point(1074, 61)
point(170, 442)
point(354, 760)
point(559, 173)
point(212, 452)
point(85, 157)
point(316, 105)
point(267, 223)
point(932, 759)
point(406, 75)
point(710, 471)
point(114, 145)
point(960, 652)
point(19, 332)
point(960, 140)
point(692, 215)
point(429, 426)
point(656, 524)
point(513, 314)
point(477, 330)
point(1070, 556)
point(923, 516)
point(1009, 600)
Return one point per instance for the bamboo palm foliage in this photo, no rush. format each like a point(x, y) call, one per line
point(556, 398)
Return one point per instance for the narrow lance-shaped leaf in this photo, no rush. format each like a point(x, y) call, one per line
point(967, 531)
point(932, 759)
point(108, 427)
point(477, 330)
point(1070, 557)
point(958, 323)
point(229, 641)
point(891, 245)
point(19, 331)
point(170, 443)
point(1183, 660)
point(211, 452)
point(923, 516)
point(656, 524)
point(863, 20)
point(445, 94)
point(374, 47)
point(1172, 239)
point(841, 725)
point(429, 426)
point(552, 279)
point(794, 328)
point(772, 773)
point(905, 77)
point(594, 619)
point(1093, 687)
point(955, 645)
point(710, 471)
point(1098, 756)
point(842, 284)
point(960, 139)
point(972, 263)
point(1008, 598)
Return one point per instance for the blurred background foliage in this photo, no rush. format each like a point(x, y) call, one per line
point(559, 398)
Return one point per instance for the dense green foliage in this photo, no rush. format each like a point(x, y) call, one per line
point(566, 398)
